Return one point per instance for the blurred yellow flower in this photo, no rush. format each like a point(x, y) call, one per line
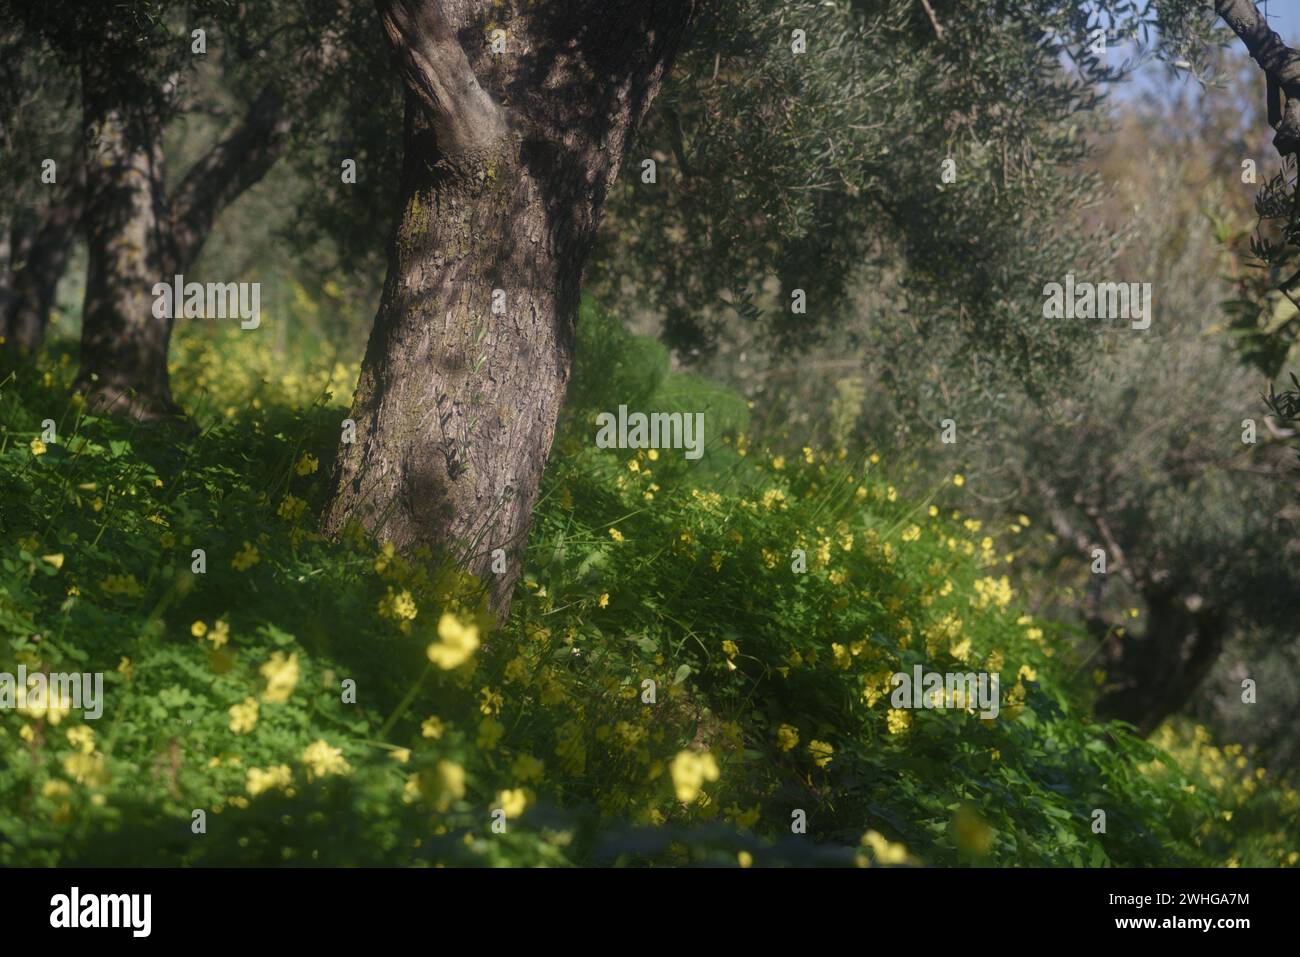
point(281, 676)
point(689, 771)
point(787, 736)
point(512, 802)
point(323, 760)
point(456, 642)
point(243, 716)
point(278, 776)
point(245, 558)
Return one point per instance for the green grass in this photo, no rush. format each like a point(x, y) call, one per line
point(639, 570)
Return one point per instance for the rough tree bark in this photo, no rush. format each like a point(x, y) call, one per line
point(508, 159)
point(137, 236)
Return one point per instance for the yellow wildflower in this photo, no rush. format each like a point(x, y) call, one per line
point(512, 802)
point(456, 642)
point(689, 771)
point(323, 760)
point(243, 716)
point(821, 752)
point(787, 736)
point(281, 676)
point(245, 558)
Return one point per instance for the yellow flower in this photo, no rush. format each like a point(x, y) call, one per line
point(898, 721)
point(38, 447)
point(398, 607)
point(220, 633)
point(87, 769)
point(912, 533)
point(400, 755)
point(447, 784)
point(730, 649)
point(281, 676)
point(652, 455)
point(778, 462)
point(432, 728)
point(821, 752)
point(243, 716)
point(615, 534)
point(489, 733)
point(744, 858)
point(689, 771)
point(457, 642)
point(884, 851)
point(512, 802)
point(246, 558)
point(323, 760)
point(959, 480)
point(491, 701)
point(527, 768)
point(787, 736)
point(122, 585)
point(259, 780)
point(307, 464)
point(291, 507)
point(604, 600)
point(57, 561)
point(82, 738)
point(198, 629)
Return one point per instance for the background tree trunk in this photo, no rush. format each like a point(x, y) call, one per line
point(137, 236)
point(123, 347)
point(1153, 675)
point(35, 280)
point(457, 402)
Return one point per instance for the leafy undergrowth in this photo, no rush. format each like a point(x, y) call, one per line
point(671, 686)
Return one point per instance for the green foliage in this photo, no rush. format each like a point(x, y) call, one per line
point(225, 691)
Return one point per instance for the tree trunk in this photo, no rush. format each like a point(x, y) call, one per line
point(35, 280)
point(137, 237)
point(123, 347)
point(1153, 675)
point(471, 350)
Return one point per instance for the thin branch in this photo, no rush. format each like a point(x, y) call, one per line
point(934, 21)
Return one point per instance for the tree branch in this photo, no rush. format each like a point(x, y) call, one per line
point(231, 167)
point(435, 68)
point(1279, 62)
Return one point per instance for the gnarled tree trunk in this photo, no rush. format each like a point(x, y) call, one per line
point(472, 346)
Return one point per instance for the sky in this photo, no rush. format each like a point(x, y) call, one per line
point(1284, 17)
